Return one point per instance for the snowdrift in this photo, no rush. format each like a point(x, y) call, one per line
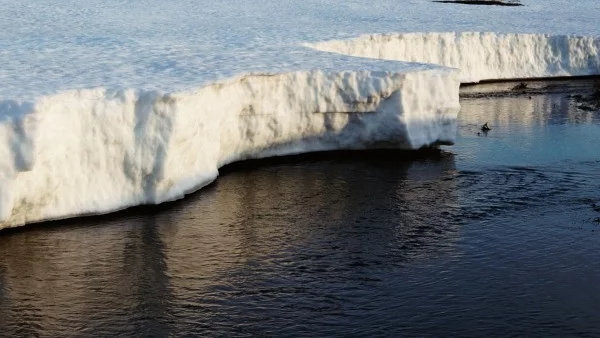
point(93, 151)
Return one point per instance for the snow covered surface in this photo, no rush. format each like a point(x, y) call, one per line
point(481, 56)
point(99, 150)
point(109, 104)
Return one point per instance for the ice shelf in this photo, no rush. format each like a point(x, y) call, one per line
point(104, 106)
point(481, 56)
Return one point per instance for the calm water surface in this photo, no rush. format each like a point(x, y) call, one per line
point(492, 236)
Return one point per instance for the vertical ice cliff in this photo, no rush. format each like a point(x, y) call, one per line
point(481, 56)
point(97, 150)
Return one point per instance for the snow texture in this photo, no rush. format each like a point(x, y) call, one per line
point(106, 105)
point(481, 56)
point(97, 150)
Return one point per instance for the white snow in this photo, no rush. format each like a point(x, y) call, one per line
point(94, 151)
point(481, 56)
point(106, 105)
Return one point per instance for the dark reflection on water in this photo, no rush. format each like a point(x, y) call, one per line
point(290, 247)
point(491, 236)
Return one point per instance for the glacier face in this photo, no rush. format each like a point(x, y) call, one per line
point(114, 104)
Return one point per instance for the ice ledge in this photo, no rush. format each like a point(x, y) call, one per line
point(95, 151)
point(481, 56)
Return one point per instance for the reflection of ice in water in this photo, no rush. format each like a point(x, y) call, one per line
point(527, 128)
point(317, 242)
point(273, 228)
point(523, 112)
point(538, 151)
point(99, 274)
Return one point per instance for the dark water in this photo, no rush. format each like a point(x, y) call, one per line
point(492, 236)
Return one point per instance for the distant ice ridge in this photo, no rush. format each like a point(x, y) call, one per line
point(94, 151)
point(481, 56)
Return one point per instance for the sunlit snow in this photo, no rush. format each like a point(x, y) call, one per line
point(110, 104)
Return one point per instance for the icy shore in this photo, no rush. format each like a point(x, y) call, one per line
point(95, 151)
point(481, 56)
point(98, 121)
point(98, 150)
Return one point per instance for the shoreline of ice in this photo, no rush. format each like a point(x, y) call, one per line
point(93, 151)
point(480, 55)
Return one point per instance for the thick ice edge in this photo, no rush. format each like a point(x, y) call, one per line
point(481, 56)
point(91, 151)
point(95, 151)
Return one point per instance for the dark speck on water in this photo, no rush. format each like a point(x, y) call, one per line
point(492, 236)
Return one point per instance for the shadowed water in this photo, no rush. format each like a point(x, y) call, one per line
point(494, 235)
